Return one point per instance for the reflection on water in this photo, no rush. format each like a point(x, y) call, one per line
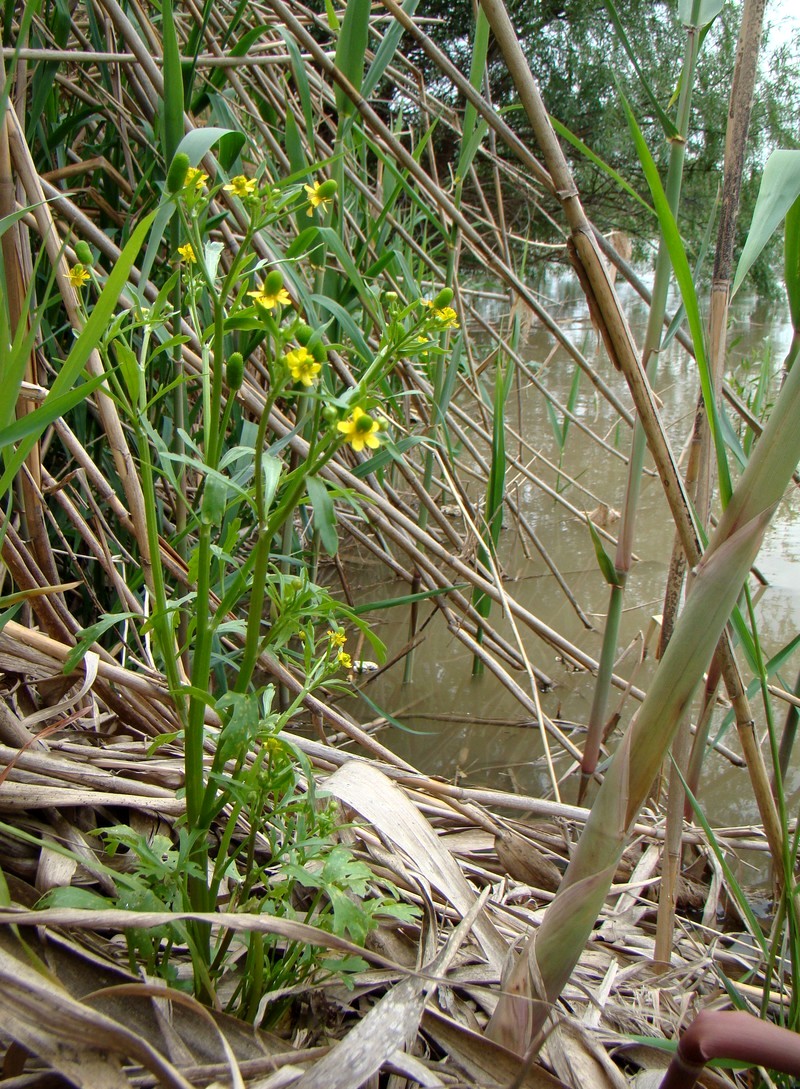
point(459, 726)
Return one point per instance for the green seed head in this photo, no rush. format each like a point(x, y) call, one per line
point(83, 251)
point(327, 189)
point(364, 424)
point(303, 335)
point(444, 298)
point(273, 282)
point(234, 371)
point(176, 177)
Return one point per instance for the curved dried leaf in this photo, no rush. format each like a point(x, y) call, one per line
point(385, 806)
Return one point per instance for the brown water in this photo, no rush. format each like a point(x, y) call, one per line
point(474, 729)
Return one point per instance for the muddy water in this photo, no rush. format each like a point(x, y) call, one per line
point(472, 729)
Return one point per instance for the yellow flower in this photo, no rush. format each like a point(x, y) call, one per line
point(315, 200)
point(303, 367)
point(360, 430)
point(344, 659)
point(445, 314)
point(78, 276)
point(241, 186)
point(448, 315)
point(337, 638)
point(195, 178)
point(187, 253)
point(270, 299)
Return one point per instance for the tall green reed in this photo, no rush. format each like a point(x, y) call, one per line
point(677, 133)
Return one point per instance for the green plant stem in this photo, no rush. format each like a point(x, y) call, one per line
point(161, 621)
point(602, 687)
point(652, 342)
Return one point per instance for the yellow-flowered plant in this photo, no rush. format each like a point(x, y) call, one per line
point(320, 195)
point(195, 178)
point(78, 276)
point(445, 314)
point(241, 186)
point(360, 430)
point(302, 365)
point(270, 299)
point(187, 253)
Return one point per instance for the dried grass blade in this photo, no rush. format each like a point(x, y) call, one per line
point(385, 806)
point(79, 1042)
point(389, 1025)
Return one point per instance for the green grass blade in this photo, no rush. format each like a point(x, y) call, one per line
point(386, 51)
point(780, 188)
point(683, 275)
point(88, 340)
point(351, 50)
point(667, 124)
point(173, 83)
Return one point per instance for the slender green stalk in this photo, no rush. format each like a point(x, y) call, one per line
point(652, 343)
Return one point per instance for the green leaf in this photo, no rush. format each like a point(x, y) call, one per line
point(405, 599)
point(88, 340)
point(667, 124)
point(324, 514)
point(697, 13)
point(780, 188)
point(349, 918)
point(91, 635)
point(604, 561)
point(791, 262)
point(472, 132)
point(587, 152)
point(52, 408)
point(351, 50)
point(683, 274)
point(386, 51)
point(173, 83)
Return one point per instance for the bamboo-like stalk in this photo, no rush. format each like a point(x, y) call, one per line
point(604, 303)
point(698, 472)
point(548, 959)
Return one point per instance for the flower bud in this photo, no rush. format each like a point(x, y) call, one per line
point(176, 177)
point(330, 414)
point(215, 496)
point(318, 351)
point(83, 252)
point(303, 334)
point(234, 371)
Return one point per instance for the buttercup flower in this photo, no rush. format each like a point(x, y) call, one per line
point(270, 299)
point(195, 178)
point(448, 315)
point(78, 276)
point(445, 314)
point(337, 638)
point(317, 199)
point(360, 430)
point(241, 186)
point(303, 367)
point(187, 253)
point(344, 659)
